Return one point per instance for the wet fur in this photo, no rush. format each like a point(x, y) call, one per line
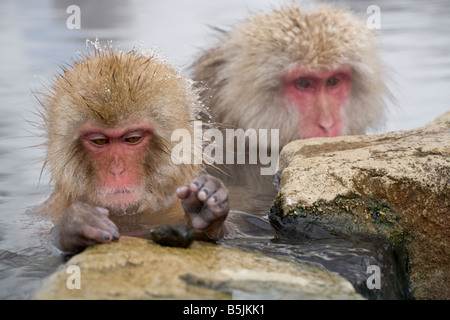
point(112, 89)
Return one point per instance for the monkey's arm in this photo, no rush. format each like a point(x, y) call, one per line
point(206, 204)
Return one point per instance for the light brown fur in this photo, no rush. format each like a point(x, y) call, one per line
point(112, 89)
point(243, 73)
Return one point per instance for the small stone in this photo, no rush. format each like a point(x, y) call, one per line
point(173, 236)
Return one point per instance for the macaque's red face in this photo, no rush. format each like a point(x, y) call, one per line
point(117, 156)
point(319, 97)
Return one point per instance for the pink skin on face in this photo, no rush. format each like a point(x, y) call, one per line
point(319, 97)
point(117, 155)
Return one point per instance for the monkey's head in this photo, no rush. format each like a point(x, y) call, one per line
point(306, 73)
point(108, 120)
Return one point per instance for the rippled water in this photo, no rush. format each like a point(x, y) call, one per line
point(347, 257)
point(35, 40)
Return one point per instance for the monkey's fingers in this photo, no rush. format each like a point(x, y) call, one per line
point(183, 192)
point(218, 203)
point(215, 210)
point(102, 222)
point(206, 218)
point(198, 193)
point(103, 211)
point(97, 235)
point(191, 203)
point(206, 186)
point(198, 183)
point(111, 227)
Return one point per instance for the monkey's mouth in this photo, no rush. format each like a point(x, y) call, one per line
point(108, 191)
point(120, 197)
point(121, 191)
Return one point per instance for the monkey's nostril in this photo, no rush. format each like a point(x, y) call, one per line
point(326, 122)
point(117, 171)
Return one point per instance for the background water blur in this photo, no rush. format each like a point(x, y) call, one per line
point(34, 41)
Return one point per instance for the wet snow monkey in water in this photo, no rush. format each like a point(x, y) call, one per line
point(108, 121)
point(306, 73)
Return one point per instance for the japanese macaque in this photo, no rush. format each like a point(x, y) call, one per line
point(108, 121)
point(306, 73)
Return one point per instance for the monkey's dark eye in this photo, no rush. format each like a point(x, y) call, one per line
point(100, 142)
point(332, 82)
point(133, 140)
point(302, 84)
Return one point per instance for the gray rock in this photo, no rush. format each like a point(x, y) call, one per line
point(135, 268)
point(394, 186)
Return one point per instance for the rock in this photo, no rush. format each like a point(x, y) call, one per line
point(135, 268)
point(394, 186)
point(173, 235)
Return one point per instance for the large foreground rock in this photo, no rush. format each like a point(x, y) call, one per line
point(394, 186)
point(134, 268)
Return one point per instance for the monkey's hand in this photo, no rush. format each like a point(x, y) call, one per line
point(206, 204)
point(83, 225)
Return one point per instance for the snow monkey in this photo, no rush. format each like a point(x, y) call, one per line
point(307, 73)
point(108, 121)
